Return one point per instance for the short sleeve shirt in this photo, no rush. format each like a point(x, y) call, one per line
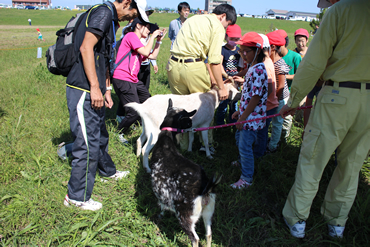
point(129, 68)
point(255, 84)
point(282, 68)
point(231, 60)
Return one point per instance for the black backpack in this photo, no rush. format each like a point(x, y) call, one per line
point(61, 56)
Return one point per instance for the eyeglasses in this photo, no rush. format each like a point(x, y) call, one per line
point(244, 52)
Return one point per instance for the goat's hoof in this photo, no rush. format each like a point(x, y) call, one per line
point(148, 170)
point(210, 157)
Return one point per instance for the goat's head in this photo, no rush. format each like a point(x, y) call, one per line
point(234, 93)
point(177, 117)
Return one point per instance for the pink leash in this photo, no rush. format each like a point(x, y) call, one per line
point(227, 125)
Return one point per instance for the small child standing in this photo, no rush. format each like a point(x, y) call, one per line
point(39, 35)
point(301, 38)
point(230, 64)
point(252, 104)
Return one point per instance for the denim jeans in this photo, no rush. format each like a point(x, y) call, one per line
point(222, 109)
point(244, 141)
point(277, 125)
point(262, 136)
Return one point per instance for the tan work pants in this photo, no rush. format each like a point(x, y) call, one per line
point(341, 118)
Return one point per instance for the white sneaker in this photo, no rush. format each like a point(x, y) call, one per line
point(120, 174)
point(297, 230)
point(336, 231)
point(88, 205)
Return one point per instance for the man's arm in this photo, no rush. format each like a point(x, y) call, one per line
point(217, 73)
point(88, 60)
point(108, 97)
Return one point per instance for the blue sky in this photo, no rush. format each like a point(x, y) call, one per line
point(257, 7)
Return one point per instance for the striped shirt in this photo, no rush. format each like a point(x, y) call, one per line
point(282, 68)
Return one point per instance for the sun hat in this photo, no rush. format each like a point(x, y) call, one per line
point(266, 43)
point(139, 20)
point(141, 6)
point(251, 39)
point(275, 38)
point(282, 33)
point(234, 31)
point(302, 32)
point(324, 4)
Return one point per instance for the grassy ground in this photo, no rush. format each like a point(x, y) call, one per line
point(34, 120)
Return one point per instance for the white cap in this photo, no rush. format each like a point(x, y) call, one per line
point(266, 42)
point(324, 4)
point(141, 5)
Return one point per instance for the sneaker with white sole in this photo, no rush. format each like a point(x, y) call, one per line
point(88, 205)
point(119, 175)
point(297, 230)
point(122, 139)
point(336, 231)
point(241, 184)
point(212, 150)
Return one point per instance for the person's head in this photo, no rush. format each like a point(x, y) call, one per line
point(130, 9)
point(251, 45)
point(326, 3)
point(301, 38)
point(226, 14)
point(183, 9)
point(276, 42)
point(266, 44)
point(141, 27)
point(284, 35)
point(233, 34)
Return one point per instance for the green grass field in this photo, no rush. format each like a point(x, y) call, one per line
point(34, 119)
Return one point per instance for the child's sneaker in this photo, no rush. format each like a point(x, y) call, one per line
point(122, 139)
point(241, 184)
point(212, 150)
point(297, 230)
point(119, 174)
point(88, 205)
point(336, 231)
point(119, 118)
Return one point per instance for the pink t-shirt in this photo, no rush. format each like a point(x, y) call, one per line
point(272, 100)
point(126, 71)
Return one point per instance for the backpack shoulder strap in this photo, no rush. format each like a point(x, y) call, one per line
point(124, 57)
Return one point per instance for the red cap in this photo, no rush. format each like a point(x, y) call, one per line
point(275, 38)
point(282, 33)
point(251, 39)
point(302, 32)
point(38, 30)
point(234, 31)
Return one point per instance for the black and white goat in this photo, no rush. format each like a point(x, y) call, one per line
point(153, 110)
point(179, 184)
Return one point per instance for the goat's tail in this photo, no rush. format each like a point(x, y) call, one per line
point(137, 107)
point(216, 179)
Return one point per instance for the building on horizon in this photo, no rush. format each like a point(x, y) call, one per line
point(291, 15)
point(39, 3)
point(210, 5)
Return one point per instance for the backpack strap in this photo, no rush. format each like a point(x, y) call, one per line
point(124, 57)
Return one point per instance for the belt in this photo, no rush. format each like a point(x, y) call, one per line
point(189, 60)
point(348, 84)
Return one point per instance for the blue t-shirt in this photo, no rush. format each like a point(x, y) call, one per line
point(231, 60)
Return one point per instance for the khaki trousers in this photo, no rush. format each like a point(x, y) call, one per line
point(188, 78)
point(341, 118)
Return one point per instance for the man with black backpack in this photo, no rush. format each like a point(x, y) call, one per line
point(89, 92)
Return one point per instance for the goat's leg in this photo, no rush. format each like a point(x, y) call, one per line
point(191, 140)
point(207, 214)
point(206, 144)
point(141, 140)
point(145, 151)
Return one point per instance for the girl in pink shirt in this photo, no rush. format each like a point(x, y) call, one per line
point(126, 84)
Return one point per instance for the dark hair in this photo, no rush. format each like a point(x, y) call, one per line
point(300, 36)
point(133, 5)
point(182, 5)
point(228, 10)
point(260, 57)
point(286, 41)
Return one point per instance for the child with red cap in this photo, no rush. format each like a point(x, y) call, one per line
point(252, 104)
point(301, 39)
point(230, 67)
point(282, 91)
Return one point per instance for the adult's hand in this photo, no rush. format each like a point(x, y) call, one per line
point(223, 93)
point(286, 110)
point(155, 67)
point(97, 99)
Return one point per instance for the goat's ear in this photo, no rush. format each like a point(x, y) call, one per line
point(190, 114)
point(169, 104)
